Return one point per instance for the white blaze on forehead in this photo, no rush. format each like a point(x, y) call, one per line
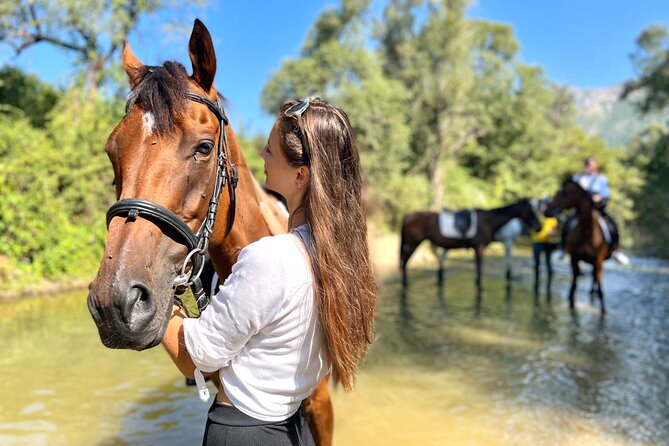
point(147, 123)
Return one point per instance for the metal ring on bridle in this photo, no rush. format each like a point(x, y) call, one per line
point(192, 276)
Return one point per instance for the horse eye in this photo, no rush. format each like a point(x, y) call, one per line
point(204, 148)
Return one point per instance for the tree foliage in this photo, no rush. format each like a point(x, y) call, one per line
point(92, 31)
point(651, 59)
point(648, 150)
point(26, 96)
point(445, 113)
point(55, 184)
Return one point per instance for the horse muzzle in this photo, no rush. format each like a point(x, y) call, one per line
point(552, 212)
point(126, 316)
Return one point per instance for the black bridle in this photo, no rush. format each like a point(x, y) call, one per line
point(197, 243)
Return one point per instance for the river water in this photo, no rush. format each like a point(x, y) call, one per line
point(447, 368)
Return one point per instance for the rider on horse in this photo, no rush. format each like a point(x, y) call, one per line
point(597, 184)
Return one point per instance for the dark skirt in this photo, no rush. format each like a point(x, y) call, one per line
point(228, 426)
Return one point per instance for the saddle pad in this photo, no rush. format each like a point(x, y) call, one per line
point(605, 228)
point(448, 229)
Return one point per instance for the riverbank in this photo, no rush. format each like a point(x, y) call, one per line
point(384, 250)
point(45, 288)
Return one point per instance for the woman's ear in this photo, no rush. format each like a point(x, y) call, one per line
point(302, 177)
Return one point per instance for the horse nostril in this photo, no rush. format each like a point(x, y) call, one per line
point(139, 307)
point(92, 303)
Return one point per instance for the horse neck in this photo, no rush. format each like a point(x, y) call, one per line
point(584, 211)
point(250, 224)
point(500, 216)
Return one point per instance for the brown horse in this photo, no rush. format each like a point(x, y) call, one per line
point(420, 226)
point(585, 240)
point(180, 180)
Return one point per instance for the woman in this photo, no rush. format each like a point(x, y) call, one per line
point(296, 306)
point(544, 241)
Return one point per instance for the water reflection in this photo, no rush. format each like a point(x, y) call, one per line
point(550, 375)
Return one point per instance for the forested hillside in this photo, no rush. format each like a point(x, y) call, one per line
point(601, 112)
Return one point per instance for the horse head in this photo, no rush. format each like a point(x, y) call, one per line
point(528, 215)
point(166, 158)
point(569, 196)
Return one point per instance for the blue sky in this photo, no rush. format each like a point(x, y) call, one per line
point(583, 43)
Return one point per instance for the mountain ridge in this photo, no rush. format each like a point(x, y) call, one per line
point(601, 112)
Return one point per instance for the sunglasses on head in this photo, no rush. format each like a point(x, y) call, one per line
point(296, 111)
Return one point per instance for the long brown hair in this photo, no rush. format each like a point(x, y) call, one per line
point(335, 211)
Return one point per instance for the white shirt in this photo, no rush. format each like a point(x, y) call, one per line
point(262, 330)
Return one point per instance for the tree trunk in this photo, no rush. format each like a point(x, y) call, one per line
point(436, 180)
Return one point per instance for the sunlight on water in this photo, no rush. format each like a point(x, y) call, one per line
point(447, 369)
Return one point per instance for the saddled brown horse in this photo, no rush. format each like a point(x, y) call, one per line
point(420, 226)
point(585, 241)
point(183, 187)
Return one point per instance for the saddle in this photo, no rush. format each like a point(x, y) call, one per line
point(461, 224)
point(606, 223)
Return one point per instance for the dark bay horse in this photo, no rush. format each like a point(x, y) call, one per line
point(183, 188)
point(420, 226)
point(585, 240)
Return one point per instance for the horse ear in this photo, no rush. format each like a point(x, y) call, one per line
point(202, 56)
point(131, 65)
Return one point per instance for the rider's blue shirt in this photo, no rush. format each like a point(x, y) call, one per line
point(594, 183)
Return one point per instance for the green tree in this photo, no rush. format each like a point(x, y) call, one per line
point(651, 59)
point(93, 31)
point(56, 187)
point(26, 95)
point(436, 64)
point(336, 65)
point(79, 127)
point(443, 111)
point(648, 150)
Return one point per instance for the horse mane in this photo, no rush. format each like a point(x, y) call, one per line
point(575, 183)
point(568, 179)
point(161, 90)
point(509, 206)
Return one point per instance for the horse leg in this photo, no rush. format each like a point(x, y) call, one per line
point(478, 250)
point(575, 272)
point(406, 250)
point(597, 274)
point(508, 246)
point(441, 256)
point(319, 414)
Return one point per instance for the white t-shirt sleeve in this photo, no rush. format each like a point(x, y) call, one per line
point(247, 301)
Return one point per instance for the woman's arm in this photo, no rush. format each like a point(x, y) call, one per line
point(173, 341)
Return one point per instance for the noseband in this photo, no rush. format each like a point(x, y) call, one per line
point(197, 243)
